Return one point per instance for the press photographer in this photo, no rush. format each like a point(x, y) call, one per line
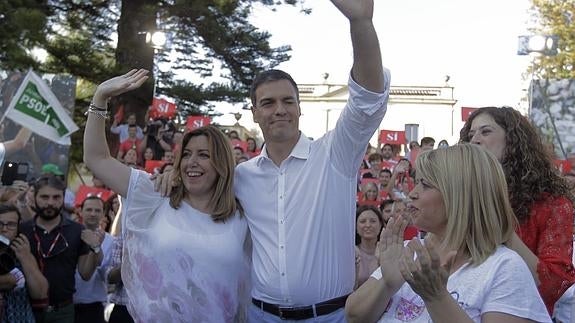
point(22, 285)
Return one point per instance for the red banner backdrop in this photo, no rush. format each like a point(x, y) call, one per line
point(194, 122)
point(162, 108)
point(84, 191)
point(564, 166)
point(394, 137)
point(466, 112)
point(153, 166)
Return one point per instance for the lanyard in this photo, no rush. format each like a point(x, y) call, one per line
point(41, 253)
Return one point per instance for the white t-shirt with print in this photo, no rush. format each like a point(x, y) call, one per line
point(502, 283)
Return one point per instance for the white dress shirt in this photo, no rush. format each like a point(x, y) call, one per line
point(95, 289)
point(302, 214)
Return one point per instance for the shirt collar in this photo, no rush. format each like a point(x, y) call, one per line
point(300, 150)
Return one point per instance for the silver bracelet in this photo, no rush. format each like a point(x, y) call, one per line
point(95, 107)
point(104, 114)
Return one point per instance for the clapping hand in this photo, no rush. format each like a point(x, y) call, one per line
point(425, 274)
point(390, 250)
point(92, 238)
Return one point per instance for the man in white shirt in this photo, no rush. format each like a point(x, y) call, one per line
point(299, 195)
point(91, 295)
point(8, 147)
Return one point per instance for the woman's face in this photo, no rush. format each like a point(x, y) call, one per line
point(368, 225)
point(131, 157)
point(427, 209)
point(487, 133)
point(148, 154)
point(371, 193)
point(251, 145)
point(196, 169)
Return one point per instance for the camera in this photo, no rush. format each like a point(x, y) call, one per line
point(7, 256)
point(13, 171)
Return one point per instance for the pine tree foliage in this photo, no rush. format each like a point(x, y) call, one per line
point(556, 17)
point(213, 50)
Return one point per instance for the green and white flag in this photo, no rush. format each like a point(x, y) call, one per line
point(34, 106)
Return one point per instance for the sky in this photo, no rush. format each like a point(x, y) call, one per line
point(422, 41)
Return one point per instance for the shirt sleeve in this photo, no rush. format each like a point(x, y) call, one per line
point(356, 125)
point(513, 291)
point(141, 201)
point(116, 129)
point(549, 235)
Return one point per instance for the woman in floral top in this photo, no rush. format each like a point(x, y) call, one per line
point(184, 256)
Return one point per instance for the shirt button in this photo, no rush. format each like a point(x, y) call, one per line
point(283, 274)
point(281, 247)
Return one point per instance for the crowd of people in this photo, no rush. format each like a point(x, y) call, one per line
point(227, 231)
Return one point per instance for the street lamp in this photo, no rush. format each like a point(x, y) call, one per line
point(157, 40)
point(542, 44)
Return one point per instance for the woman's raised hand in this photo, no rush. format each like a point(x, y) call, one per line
point(121, 84)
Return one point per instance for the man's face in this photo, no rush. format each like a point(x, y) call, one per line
point(132, 132)
point(92, 213)
point(131, 119)
point(49, 202)
point(168, 156)
point(387, 152)
point(277, 111)
point(9, 225)
point(384, 178)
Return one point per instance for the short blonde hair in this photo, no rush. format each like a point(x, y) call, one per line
point(474, 190)
point(223, 202)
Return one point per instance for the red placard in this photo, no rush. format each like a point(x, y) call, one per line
point(239, 143)
point(153, 166)
point(564, 166)
point(84, 191)
point(194, 122)
point(119, 116)
point(466, 112)
point(394, 137)
point(162, 108)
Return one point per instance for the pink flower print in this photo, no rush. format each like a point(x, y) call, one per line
point(185, 261)
point(227, 302)
point(409, 310)
point(150, 275)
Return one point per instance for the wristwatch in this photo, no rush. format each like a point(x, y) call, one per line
point(96, 249)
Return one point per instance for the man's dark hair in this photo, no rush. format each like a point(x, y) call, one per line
point(385, 170)
point(270, 76)
point(6, 208)
point(51, 181)
point(93, 197)
point(427, 140)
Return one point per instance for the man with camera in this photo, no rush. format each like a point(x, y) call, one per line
point(20, 278)
point(60, 246)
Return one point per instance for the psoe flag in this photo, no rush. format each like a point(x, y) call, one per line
point(36, 107)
